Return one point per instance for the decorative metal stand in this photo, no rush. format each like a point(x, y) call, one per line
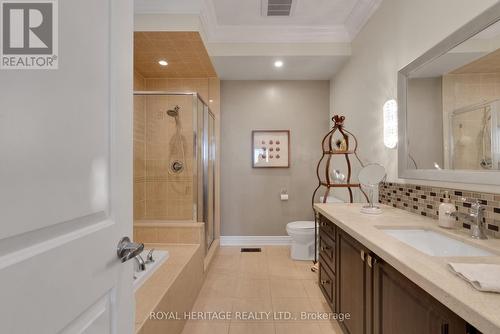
point(346, 144)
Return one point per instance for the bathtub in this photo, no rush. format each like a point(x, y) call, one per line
point(140, 277)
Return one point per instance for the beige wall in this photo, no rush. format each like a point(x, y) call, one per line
point(397, 33)
point(250, 197)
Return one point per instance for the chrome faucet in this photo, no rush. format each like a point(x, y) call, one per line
point(149, 257)
point(476, 217)
point(140, 262)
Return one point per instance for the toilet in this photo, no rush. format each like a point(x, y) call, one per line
point(302, 234)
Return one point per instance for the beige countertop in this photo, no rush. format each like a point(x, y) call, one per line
point(481, 309)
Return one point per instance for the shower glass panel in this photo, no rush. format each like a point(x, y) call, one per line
point(174, 161)
point(474, 137)
point(208, 176)
point(206, 189)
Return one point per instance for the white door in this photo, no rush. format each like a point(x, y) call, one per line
point(66, 179)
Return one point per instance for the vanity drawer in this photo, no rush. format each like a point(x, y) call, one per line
point(327, 227)
point(327, 284)
point(327, 250)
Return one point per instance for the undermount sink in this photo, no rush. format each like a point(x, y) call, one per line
point(434, 243)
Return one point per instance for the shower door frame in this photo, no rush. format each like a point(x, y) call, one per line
point(200, 192)
point(208, 148)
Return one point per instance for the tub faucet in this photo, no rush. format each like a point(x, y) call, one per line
point(140, 262)
point(149, 257)
point(476, 217)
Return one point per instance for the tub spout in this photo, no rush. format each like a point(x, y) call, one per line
point(140, 262)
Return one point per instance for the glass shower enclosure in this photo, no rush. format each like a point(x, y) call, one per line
point(175, 157)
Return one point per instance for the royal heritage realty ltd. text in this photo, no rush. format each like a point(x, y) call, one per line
point(263, 316)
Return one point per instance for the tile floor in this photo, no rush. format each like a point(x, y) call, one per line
point(260, 282)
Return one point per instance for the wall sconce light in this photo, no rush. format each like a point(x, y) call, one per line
point(390, 123)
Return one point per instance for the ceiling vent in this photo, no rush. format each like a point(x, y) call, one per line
point(277, 7)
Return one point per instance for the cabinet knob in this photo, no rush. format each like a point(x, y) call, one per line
point(362, 253)
point(325, 248)
point(323, 282)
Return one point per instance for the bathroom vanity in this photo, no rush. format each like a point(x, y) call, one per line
point(388, 286)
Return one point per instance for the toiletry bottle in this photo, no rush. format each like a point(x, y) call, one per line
point(445, 210)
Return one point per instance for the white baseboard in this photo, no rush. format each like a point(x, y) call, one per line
point(226, 240)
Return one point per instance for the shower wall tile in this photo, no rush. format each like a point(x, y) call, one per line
point(462, 90)
point(139, 162)
point(199, 85)
point(139, 208)
point(139, 119)
point(139, 133)
point(169, 200)
point(156, 209)
point(188, 235)
point(425, 200)
point(145, 234)
point(165, 232)
point(139, 81)
point(166, 195)
point(140, 190)
point(157, 190)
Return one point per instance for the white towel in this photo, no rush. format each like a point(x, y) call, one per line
point(482, 276)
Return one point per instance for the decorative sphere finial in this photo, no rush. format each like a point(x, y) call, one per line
point(338, 120)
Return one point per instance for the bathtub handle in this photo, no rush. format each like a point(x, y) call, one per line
point(149, 257)
point(127, 249)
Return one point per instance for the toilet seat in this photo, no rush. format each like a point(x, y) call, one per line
point(301, 225)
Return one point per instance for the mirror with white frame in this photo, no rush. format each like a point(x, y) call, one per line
point(449, 107)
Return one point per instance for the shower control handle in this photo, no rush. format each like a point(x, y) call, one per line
point(177, 166)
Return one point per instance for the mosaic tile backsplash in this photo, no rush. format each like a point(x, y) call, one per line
point(425, 200)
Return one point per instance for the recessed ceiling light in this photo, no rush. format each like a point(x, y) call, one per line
point(278, 63)
point(163, 62)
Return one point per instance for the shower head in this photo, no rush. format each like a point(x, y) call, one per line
point(174, 112)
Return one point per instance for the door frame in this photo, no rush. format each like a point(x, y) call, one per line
point(121, 146)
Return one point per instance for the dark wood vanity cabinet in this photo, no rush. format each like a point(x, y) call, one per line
point(327, 251)
point(400, 306)
point(379, 299)
point(354, 284)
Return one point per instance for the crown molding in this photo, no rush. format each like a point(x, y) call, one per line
point(360, 14)
point(216, 33)
point(212, 32)
point(278, 49)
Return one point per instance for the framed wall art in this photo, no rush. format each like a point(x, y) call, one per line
point(271, 148)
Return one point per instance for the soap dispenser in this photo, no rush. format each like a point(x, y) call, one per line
point(446, 220)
